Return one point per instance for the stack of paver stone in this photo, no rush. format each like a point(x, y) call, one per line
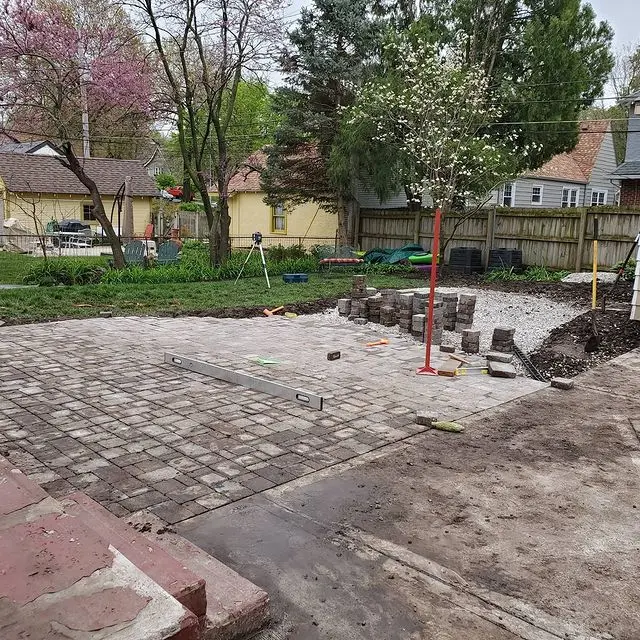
point(358, 298)
point(465, 311)
point(438, 322)
point(420, 301)
point(470, 341)
point(344, 306)
point(374, 304)
point(418, 326)
point(450, 302)
point(502, 339)
point(405, 311)
point(388, 307)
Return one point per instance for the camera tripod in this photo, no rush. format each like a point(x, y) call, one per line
point(257, 244)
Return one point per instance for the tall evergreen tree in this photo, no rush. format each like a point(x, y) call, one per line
point(325, 61)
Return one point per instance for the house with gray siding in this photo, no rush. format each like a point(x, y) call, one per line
point(629, 171)
point(579, 178)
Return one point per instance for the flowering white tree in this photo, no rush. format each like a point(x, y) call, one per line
point(431, 115)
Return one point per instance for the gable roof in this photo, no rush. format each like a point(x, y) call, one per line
point(28, 173)
point(577, 165)
point(26, 147)
point(247, 178)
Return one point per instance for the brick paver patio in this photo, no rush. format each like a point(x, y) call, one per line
point(90, 405)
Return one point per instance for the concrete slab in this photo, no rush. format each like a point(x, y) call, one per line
point(524, 526)
point(236, 608)
point(18, 492)
point(171, 573)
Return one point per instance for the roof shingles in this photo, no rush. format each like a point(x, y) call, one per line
point(28, 173)
point(578, 164)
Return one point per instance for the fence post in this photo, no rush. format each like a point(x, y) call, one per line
point(582, 232)
point(491, 232)
point(416, 226)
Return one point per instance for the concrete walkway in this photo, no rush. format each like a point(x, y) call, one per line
point(526, 526)
point(89, 405)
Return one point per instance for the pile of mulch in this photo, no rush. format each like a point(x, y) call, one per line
point(562, 353)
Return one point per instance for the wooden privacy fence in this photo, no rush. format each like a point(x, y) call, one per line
point(555, 238)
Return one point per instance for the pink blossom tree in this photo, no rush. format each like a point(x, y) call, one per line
point(61, 60)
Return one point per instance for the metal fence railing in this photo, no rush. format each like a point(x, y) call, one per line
point(245, 242)
point(81, 245)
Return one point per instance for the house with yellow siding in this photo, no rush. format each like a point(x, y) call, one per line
point(250, 213)
point(37, 187)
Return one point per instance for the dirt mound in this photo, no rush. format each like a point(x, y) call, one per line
point(562, 353)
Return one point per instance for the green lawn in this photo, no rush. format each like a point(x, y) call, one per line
point(14, 266)
point(47, 303)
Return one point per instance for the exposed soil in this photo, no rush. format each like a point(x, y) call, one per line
point(301, 308)
point(563, 352)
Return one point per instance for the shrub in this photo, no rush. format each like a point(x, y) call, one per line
point(69, 271)
point(629, 272)
point(194, 267)
point(280, 253)
point(165, 181)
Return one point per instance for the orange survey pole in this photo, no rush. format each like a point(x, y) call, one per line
point(428, 370)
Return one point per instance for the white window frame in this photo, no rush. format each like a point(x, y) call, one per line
point(570, 191)
point(537, 186)
point(512, 196)
point(600, 192)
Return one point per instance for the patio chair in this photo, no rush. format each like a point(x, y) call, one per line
point(134, 252)
point(168, 253)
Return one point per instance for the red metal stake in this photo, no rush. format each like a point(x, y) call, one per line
point(428, 370)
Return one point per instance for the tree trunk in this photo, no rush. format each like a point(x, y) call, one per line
point(74, 165)
point(223, 244)
point(343, 223)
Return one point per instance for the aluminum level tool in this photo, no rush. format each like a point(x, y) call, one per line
point(306, 398)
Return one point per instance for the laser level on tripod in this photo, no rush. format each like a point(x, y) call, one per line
point(257, 244)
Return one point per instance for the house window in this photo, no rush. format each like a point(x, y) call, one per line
point(508, 194)
point(569, 198)
point(536, 194)
point(157, 171)
point(278, 219)
point(599, 198)
point(87, 212)
point(636, 109)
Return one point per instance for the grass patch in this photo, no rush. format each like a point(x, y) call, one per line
point(14, 266)
point(531, 274)
point(49, 303)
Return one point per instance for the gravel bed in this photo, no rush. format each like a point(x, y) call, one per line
point(587, 276)
point(533, 318)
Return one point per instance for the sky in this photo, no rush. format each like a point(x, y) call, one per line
point(623, 16)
